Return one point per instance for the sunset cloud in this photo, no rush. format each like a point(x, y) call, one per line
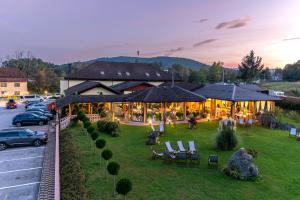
point(202, 20)
point(237, 23)
point(172, 51)
point(288, 39)
point(198, 44)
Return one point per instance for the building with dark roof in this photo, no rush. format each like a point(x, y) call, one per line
point(13, 82)
point(114, 73)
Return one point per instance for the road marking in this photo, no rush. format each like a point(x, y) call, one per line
point(18, 170)
point(21, 159)
point(8, 150)
point(14, 186)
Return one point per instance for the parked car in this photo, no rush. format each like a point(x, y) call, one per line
point(40, 110)
point(40, 113)
point(31, 103)
point(11, 104)
point(29, 119)
point(38, 105)
point(21, 137)
point(30, 98)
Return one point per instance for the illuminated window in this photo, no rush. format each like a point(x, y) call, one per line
point(3, 84)
point(17, 84)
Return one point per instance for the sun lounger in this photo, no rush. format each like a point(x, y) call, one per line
point(168, 156)
point(293, 132)
point(192, 148)
point(241, 121)
point(170, 148)
point(180, 146)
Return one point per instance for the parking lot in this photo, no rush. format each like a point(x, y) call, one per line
point(20, 168)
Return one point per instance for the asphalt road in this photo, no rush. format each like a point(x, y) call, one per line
point(20, 168)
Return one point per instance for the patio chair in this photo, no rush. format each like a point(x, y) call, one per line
point(168, 157)
point(156, 155)
point(293, 132)
point(180, 146)
point(181, 158)
point(170, 148)
point(192, 148)
point(241, 121)
point(161, 127)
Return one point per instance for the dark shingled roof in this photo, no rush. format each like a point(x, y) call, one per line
point(232, 92)
point(252, 87)
point(87, 85)
point(129, 84)
point(184, 85)
point(164, 94)
point(10, 74)
point(121, 71)
point(88, 99)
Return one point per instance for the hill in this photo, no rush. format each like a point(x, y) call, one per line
point(165, 61)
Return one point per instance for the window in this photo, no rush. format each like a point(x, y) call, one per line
point(3, 92)
point(157, 74)
point(17, 84)
point(102, 72)
point(147, 74)
point(3, 85)
point(17, 93)
point(119, 73)
point(127, 73)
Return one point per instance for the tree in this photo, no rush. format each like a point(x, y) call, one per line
point(251, 67)
point(202, 74)
point(182, 71)
point(113, 169)
point(100, 144)
point(193, 77)
point(215, 72)
point(291, 72)
point(265, 74)
point(106, 155)
point(124, 186)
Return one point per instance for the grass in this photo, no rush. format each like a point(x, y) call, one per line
point(291, 88)
point(278, 163)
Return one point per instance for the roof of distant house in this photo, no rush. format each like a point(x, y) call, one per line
point(231, 92)
point(10, 74)
point(87, 85)
point(121, 71)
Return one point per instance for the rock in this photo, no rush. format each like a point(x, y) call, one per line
point(242, 162)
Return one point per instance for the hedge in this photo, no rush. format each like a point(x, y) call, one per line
point(289, 103)
point(72, 177)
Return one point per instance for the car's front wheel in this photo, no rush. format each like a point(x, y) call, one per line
point(37, 143)
point(3, 146)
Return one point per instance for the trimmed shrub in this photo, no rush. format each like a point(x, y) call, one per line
point(94, 135)
point(90, 129)
point(106, 155)
point(100, 143)
point(80, 115)
point(72, 177)
point(101, 125)
point(226, 139)
point(124, 186)
point(111, 128)
point(87, 124)
point(113, 169)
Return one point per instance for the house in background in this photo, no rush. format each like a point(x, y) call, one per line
point(13, 82)
point(119, 76)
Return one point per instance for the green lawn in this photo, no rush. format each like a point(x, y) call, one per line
point(290, 88)
point(278, 162)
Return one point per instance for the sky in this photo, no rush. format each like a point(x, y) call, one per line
point(62, 31)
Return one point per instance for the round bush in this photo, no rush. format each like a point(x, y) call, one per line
point(101, 125)
point(107, 154)
point(226, 139)
point(100, 143)
point(113, 168)
point(94, 135)
point(87, 124)
point(124, 186)
point(111, 127)
point(90, 129)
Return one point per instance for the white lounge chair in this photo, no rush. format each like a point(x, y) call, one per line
point(241, 121)
point(161, 127)
point(192, 148)
point(293, 132)
point(180, 146)
point(169, 147)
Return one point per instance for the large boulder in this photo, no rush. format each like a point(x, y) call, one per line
point(242, 162)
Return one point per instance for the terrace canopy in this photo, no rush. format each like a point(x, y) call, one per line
point(224, 99)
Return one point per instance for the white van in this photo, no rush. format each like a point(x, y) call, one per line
point(30, 98)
